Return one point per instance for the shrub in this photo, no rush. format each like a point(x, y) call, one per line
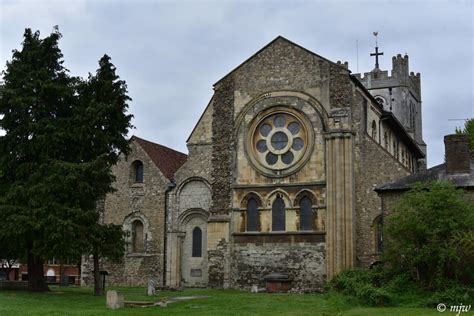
point(453, 295)
point(430, 235)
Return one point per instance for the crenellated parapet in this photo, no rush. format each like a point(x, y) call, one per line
point(400, 76)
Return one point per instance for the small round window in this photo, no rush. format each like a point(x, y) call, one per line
point(279, 141)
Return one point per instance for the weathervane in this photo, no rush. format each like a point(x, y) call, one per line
point(376, 54)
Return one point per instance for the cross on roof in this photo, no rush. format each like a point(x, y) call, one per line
point(376, 54)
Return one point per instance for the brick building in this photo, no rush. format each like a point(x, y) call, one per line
point(458, 169)
point(279, 177)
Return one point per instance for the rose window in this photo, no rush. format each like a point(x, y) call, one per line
point(279, 141)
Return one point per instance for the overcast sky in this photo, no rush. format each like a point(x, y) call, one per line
point(170, 53)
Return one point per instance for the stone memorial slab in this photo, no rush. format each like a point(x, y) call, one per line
point(115, 300)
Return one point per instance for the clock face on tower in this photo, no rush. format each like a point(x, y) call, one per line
point(278, 141)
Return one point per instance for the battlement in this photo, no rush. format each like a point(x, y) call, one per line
point(400, 76)
point(345, 64)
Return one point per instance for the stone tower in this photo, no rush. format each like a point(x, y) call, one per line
point(399, 94)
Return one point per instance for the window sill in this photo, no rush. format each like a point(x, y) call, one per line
point(279, 237)
point(139, 254)
point(301, 232)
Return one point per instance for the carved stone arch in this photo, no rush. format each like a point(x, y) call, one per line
point(190, 179)
point(314, 103)
point(279, 193)
point(128, 227)
point(258, 198)
point(188, 215)
point(305, 193)
point(193, 193)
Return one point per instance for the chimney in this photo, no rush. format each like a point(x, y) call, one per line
point(457, 153)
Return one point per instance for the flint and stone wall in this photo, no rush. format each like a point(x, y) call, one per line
point(145, 201)
point(303, 263)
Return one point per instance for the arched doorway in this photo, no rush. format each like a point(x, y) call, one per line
point(194, 249)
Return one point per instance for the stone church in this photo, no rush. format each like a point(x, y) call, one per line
point(279, 177)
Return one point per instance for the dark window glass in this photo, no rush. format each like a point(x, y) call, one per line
point(271, 158)
point(297, 144)
point(137, 236)
point(287, 157)
point(265, 129)
point(279, 121)
point(197, 242)
point(138, 171)
point(252, 215)
point(262, 145)
point(278, 215)
point(279, 140)
point(378, 227)
point(306, 214)
point(294, 127)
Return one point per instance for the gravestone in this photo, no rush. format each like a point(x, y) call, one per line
point(151, 289)
point(114, 300)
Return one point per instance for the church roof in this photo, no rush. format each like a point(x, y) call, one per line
point(462, 180)
point(166, 159)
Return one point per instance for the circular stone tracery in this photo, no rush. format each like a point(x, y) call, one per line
point(279, 141)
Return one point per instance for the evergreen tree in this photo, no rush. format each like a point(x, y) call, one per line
point(104, 125)
point(62, 137)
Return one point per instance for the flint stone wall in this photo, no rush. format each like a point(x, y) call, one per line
point(304, 263)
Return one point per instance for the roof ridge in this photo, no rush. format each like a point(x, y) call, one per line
point(166, 159)
point(279, 37)
point(157, 144)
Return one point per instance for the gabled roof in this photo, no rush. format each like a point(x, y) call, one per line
point(278, 38)
point(166, 159)
point(461, 180)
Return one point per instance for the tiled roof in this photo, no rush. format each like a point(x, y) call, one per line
point(464, 180)
point(166, 159)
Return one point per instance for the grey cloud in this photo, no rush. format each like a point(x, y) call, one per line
point(171, 53)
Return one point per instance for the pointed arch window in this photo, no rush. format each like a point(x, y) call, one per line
point(137, 236)
point(278, 215)
point(252, 215)
point(137, 171)
point(197, 242)
point(306, 214)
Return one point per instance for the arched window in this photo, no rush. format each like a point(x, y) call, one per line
point(50, 276)
point(378, 233)
point(137, 171)
point(197, 242)
point(379, 101)
point(252, 215)
point(278, 215)
point(306, 214)
point(137, 236)
point(374, 130)
point(385, 138)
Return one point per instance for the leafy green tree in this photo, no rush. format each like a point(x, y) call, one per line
point(468, 130)
point(63, 135)
point(430, 235)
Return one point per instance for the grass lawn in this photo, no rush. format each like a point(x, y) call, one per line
point(80, 301)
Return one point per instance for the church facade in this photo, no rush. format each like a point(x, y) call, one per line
point(279, 177)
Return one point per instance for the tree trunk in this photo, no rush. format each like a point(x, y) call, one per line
point(36, 280)
point(98, 291)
